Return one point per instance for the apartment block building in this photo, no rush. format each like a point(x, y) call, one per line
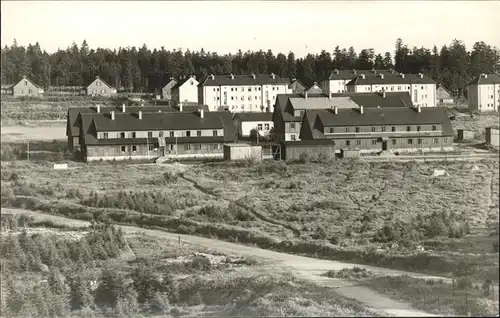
point(396, 129)
point(338, 79)
point(484, 93)
point(242, 93)
point(290, 108)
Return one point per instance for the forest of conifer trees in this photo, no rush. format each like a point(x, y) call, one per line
point(145, 70)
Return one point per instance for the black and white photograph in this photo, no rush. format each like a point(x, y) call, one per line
point(250, 158)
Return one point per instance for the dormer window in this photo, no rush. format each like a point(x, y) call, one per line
point(25, 83)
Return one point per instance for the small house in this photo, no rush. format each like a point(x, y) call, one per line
point(100, 88)
point(242, 151)
point(262, 123)
point(166, 91)
point(492, 136)
point(25, 87)
point(443, 96)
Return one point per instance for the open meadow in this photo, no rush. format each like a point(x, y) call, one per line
point(49, 270)
point(392, 215)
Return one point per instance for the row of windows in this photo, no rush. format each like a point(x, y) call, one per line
point(374, 129)
point(249, 89)
point(187, 133)
point(394, 141)
point(259, 126)
point(155, 146)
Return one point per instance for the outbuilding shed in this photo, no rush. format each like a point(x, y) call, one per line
point(312, 149)
point(242, 151)
point(492, 136)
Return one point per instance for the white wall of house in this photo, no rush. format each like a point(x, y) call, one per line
point(240, 98)
point(263, 127)
point(187, 92)
point(484, 97)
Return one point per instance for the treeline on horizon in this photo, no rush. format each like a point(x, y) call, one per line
point(145, 70)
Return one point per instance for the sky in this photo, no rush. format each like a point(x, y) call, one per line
point(226, 26)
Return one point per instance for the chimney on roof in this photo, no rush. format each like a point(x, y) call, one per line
point(98, 107)
point(142, 104)
point(363, 76)
point(193, 77)
point(212, 76)
point(112, 115)
point(420, 75)
point(139, 114)
point(180, 106)
point(335, 110)
point(419, 109)
point(381, 76)
point(361, 109)
point(253, 75)
point(123, 108)
point(383, 93)
point(392, 71)
point(402, 75)
point(305, 94)
point(202, 113)
point(373, 70)
point(484, 75)
point(232, 76)
point(273, 76)
point(337, 72)
point(354, 71)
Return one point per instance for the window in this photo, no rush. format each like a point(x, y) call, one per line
point(133, 135)
point(292, 125)
point(218, 98)
point(383, 128)
point(197, 147)
point(410, 141)
point(347, 129)
point(217, 89)
point(124, 148)
point(171, 147)
point(357, 129)
point(259, 126)
point(134, 148)
point(231, 89)
point(266, 126)
point(358, 142)
point(214, 132)
point(418, 128)
point(160, 134)
point(374, 141)
point(188, 133)
point(332, 130)
point(445, 140)
point(198, 133)
point(187, 147)
point(434, 140)
point(434, 128)
point(399, 88)
point(394, 141)
point(30, 91)
point(292, 137)
point(249, 97)
point(374, 129)
point(191, 83)
point(25, 83)
point(347, 142)
point(242, 89)
point(150, 134)
point(419, 141)
point(249, 89)
point(232, 97)
point(172, 134)
point(105, 135)
point(408, 128)
point(393, 129)
point(242, 97)
point(122, 135)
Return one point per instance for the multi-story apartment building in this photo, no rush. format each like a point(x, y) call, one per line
point(151, 135)
point(338, 79)
point(185, 91)
point(484, 93)
point(422, 88)
point(242, 93)
point(397, 129)
point(290, 109)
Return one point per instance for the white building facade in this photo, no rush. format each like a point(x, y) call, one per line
point(186, 91)
point(242, 93)
point(484, 93)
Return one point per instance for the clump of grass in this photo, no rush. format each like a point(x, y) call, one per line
point(350, 273)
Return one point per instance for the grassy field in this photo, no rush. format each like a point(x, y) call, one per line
point(384, 214)
point(433, 296)
point(45, 273)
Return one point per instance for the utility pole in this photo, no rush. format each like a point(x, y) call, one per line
point(176, 151)
point(28, 150)
point(147, 145)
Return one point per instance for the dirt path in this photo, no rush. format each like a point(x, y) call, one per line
point(304, 267)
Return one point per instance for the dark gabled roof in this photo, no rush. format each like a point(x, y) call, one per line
point(156, 121)
point(391, 99)
point(350, 74)
point(183, 81)
point(492, 78)
point(296, 85)
point(74, 121)
point(247, 80)
point(99, 78)
point(391, 79)
point(387, 116)
point(254, 116)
